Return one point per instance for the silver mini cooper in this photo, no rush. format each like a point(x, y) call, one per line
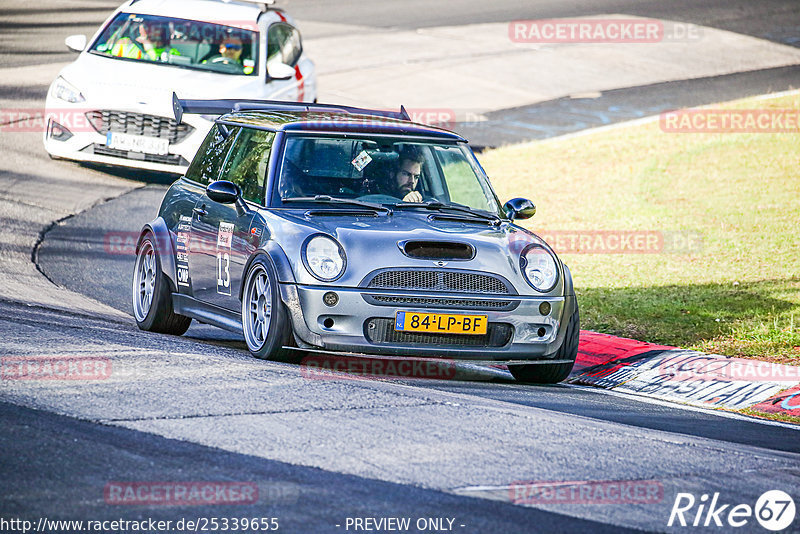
point(351, 231)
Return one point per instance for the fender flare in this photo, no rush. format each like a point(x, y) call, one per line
point(277, 257)
point(165, 248)
point(569, 290)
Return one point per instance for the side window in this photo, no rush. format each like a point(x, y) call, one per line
point(248, 162)
point(208, 160)
point(283, 44)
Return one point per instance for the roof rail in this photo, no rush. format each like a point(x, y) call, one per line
point(228, 105)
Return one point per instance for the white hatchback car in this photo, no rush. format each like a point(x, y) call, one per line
point(113, 105)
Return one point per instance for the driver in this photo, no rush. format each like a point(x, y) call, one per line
point(404, 178)
point(230, 52)
point(231, 48)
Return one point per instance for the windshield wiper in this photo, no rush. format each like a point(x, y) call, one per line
point(336, 200)
point(435, 205)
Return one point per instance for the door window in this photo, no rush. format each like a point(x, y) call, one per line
point(248, 163)
point(206, 164)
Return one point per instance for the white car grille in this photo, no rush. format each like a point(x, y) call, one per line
point(105, 121)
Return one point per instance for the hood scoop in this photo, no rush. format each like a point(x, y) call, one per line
point(437, 250)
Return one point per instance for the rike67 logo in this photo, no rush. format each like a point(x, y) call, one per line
point(774, 510)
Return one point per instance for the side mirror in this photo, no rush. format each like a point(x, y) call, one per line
point(223, 191)
point(519, 208)
point(226, 192)
point(277, 70)
point(76, 43)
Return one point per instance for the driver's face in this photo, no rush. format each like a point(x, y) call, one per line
point(231, 48)
point(407, 176)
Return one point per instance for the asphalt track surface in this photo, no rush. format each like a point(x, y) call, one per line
point(90, 253)
point(199, 408)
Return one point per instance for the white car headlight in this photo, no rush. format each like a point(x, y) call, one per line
point(63, 90)
point(539, 267)
point(324, 258)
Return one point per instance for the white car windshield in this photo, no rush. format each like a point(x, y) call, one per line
point(385, 171)
point(183, 43)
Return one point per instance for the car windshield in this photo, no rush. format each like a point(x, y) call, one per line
point(182, 43)
point(385, 171)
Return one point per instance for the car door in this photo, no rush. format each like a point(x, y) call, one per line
point(221, 233)
point(204, 168)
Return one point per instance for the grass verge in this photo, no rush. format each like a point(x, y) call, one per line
point(734, 289)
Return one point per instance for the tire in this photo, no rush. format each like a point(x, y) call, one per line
point(265, 321)
point(543, 373)
point(152, 298)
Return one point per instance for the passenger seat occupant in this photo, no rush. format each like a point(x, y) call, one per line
point(150, 43)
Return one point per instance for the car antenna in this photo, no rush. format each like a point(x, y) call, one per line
point(404, 113)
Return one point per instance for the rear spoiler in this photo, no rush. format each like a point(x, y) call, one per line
point(220, 107)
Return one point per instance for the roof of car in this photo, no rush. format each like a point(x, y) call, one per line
point(215, 11)
point(327, 122)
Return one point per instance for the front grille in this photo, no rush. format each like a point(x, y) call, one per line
point(168, 159)
point(438, 280)
point(433, 302)
point(381, 330)
point(105, 121)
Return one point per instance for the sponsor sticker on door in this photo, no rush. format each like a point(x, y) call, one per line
point(224, 242)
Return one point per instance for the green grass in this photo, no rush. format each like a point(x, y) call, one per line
point(773, 416)
point(738, 293)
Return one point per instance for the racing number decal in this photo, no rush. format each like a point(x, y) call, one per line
point(223, 273)
point(224, 242)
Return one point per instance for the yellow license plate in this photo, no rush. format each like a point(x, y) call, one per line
point(440, 323)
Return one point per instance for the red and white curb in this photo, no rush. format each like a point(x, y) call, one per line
point(686, 376)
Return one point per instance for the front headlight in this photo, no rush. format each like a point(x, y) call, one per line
point(63, 90)
point(539, 267)
point(324, 258)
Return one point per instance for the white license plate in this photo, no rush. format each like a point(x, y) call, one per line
point(137, 143)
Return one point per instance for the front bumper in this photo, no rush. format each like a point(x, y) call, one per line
point(83, 143)
point(357, 324)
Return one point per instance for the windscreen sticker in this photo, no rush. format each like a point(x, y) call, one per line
point(361, 161)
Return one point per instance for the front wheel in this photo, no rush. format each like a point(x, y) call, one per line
point(552, 373)
point(152, 298)
point(265, 322)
